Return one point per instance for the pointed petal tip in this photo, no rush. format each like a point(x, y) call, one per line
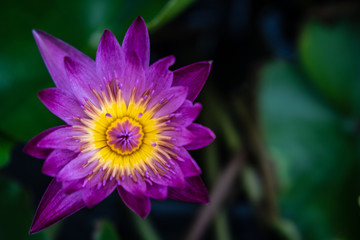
point(139, 19)
point(36, 33)
point(35, 229)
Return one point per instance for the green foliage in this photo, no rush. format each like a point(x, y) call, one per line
point(168, 12)
point(331, 56)
point(5, 151)
point(106, 231)
point(145, 228)
point(16, 212)
point(315, 158)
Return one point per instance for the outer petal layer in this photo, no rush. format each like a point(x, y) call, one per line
point(187, 164)
point(96, 194)
point(32, 149)
point(55, 206)
point(140, 205)
point(159, 75)
point(194, 191)
point(203, 136)
point(83, 79)
point(137, 40)
point(62, 104)
point(57, 160)
point(193, 76)
point(53, 51)
point(110, 58)
point(61, 138)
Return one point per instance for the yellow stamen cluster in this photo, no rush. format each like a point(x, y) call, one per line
point(154, 149)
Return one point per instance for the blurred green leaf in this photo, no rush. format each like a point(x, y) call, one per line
point(16, 212)
point(317, 158)
point(252, 184)
point(5, 151)
point(331, 56)
point(106, 231)
point(145, 229)
point(287, 229)
point(168, 12)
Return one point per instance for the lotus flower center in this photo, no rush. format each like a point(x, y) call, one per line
point(124, 135)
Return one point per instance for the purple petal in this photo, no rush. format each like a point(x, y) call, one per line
point(57, 160)
point(83, 79)
point(62, 104)
point(133, 76)
point(53, 51)
point(156, 191)
point(95, 195)
point(194, 191)
point(180, 136)
point(203, 136)
point(32, 149)
point(140, 205)
point(61, 138)
point(83, 183)
point(193, 76)
point(187, 113)
point(137, 40)
point(174, 98)
point(137, 188)
point(109, 57)
point(187, 164)
point(159, 74)
point(75, 168)
point(55, 205)
point(72, 186)
point(173, 178)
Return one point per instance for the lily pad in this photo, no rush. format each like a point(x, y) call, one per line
point(330, 54)
point(314, 157)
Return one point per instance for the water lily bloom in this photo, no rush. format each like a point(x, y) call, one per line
point(129, 126)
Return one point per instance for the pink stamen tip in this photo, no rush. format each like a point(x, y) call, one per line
point(154, 144)
point(98, 185)
point(168, 121)
point(140, 115)
point(122, 178)
point(108, 115)
point(104, 182)
point(85, 182)
point(149, 182)
point(111, 178)
point(130, 176)
point(118, 182)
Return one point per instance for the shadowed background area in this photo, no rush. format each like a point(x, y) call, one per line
point(283, 99)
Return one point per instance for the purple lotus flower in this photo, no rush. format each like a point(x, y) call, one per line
point(128, 127)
